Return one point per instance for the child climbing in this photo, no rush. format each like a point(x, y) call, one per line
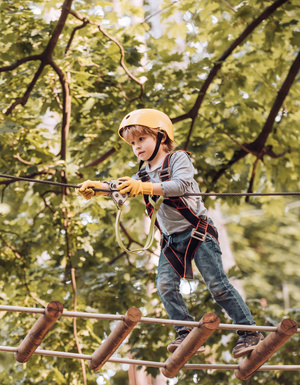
point(186, 231)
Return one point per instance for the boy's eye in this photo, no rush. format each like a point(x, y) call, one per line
point(141, 138)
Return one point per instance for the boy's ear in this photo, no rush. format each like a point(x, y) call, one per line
point(164, 138)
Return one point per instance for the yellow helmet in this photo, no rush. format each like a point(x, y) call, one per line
point(149, 118)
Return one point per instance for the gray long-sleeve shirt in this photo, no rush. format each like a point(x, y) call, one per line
point(182, 182)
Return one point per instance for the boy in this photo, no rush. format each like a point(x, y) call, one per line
point(186, 231)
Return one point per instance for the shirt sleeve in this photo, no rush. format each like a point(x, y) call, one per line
point(182, 175)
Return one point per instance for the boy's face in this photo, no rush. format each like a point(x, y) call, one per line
point(143, 145)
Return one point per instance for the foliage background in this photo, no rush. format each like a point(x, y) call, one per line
point(61, 125)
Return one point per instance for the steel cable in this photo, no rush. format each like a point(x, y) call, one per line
point(190, 194)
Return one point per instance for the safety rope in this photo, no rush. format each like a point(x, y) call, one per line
point(151, 234)
point(47, 182)
point(156, 205)
point(190, 194)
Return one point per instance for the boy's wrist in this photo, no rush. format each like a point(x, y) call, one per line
point(147, 188)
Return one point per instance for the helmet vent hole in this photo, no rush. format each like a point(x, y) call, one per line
point(128, 116)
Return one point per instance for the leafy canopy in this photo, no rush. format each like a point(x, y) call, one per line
point(227, 75)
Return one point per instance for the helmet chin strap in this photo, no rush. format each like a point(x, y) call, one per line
point(159, 138)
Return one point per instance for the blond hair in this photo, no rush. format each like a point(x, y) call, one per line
point(136, 130)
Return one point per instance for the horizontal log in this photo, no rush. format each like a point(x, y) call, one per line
point(114, 340)
point(265, 349)
point(196, 338)
point(38, 332)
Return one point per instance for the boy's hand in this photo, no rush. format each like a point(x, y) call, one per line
point(86, 189)
point(135, 187)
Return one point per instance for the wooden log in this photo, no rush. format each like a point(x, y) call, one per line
point(265, 349)
point(38, 332)
point(114, 340)
point(196, 338)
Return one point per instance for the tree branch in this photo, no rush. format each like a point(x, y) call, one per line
point(72, 270)
point(228, 5)
point(73, 277)
point(103, 157)
point(20, 62)
point(122, 63)
point(18, 256)
point(161, 10)
point(269, 151)
point(251, 183)
point(242, 146)
point(282, 93)
point(85, 22)
point(118, 256)
point(122, 57)
point(17, 156)
point(23, 100)
point(66, 7)
point(189, 134)
point(13, 233)
point(258, 145)
point(2, 193)
point(192, 114)
point(13, 249)
point(46, 204)
point(66, 108)
point(45, 57)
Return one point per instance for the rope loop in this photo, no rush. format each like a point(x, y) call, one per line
point(151, 234)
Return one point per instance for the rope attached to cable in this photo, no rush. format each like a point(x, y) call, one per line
point(120, 199)
point(47, 182)
point(191, 194)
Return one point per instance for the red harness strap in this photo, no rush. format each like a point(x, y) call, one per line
point(182, 263)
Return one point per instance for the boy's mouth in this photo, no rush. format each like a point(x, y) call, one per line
point(140, 153)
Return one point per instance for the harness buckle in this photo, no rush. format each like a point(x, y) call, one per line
point(143, 175)
point(197, 234)
point(164, 173)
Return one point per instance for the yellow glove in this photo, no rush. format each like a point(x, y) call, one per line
point(87, 192)
point(135, 187)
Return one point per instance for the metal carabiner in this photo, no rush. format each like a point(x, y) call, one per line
point(118, 198)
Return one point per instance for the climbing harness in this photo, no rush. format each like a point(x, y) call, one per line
point(181, 262)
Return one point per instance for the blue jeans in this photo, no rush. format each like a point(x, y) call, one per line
point(209, 262)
